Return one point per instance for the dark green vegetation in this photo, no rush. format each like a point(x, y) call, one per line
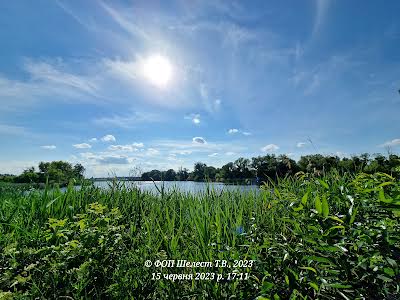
point(330, 237)
point(245, 170)
point(59, 172)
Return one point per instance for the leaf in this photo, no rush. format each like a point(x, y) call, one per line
point(266, 286)
point(336, 219)
point(300, 207)
point(318, 259)
point(353, 215)
point(325, 207)
point(389, 271)
point(392, 262)
point(304, 199)
point(386, 183)
point(339, 286)
point(314, 286)
point(318, 205)
point(309, 268)
point(335, 227)
point(323, 183)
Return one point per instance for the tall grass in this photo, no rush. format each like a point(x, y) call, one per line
point(311, 238)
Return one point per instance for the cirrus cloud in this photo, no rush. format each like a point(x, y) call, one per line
point(82, 146)
point(48, 147)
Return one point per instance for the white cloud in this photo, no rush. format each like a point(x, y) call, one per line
point(51, 73)
point(213, 154)
point(108, 138)
point(300, 144)
point(233, 131)
point(93, 140)
point(152, 152)
point(194, 117)
point(125, 22)
point(138, 145)
point(199, 140)
point(125, 148)
point(230, 153)
point(391, 143)
point(82, 146)
point(48, 147)
point(105, 158)
point(116, 159)
point(320, 15)
point(270, 148)
point(181, 152)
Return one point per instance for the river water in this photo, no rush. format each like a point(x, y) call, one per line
point(182, 186)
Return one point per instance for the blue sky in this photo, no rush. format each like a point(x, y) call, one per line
point(243, 79)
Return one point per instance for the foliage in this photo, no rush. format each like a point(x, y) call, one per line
point(311, 237)
point(52, 172)
point(261, 168)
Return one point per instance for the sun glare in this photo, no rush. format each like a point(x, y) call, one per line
point(157, 70)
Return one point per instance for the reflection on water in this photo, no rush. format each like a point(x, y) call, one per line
point(182, 186)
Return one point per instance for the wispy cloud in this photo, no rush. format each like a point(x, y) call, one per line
point(181, 152)
point(392, 143)
point(126, 23)
point(152, 152)
point(213, 154)
point(82, 146)
point(270, 148)
point(300, 144)
point(48, 147)
point(105, 158)
point(46, 72)
point(211, 104)
point(321, 9)
point(125, 148)
point(130, 120)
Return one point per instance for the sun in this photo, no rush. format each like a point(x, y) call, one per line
point(158, 70)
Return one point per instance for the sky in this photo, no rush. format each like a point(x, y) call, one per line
point(126, 85)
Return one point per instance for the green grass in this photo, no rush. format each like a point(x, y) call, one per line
point(335, 237)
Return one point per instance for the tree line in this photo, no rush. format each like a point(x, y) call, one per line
point(60, 172)
point(258, 169)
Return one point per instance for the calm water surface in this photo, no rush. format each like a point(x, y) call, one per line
point(182, 186)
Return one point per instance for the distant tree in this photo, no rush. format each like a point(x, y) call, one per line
point(210, 173)
point(182, 174)
point(170, 175)
point(155, 175)
point(78, 171)
point(199, 172)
